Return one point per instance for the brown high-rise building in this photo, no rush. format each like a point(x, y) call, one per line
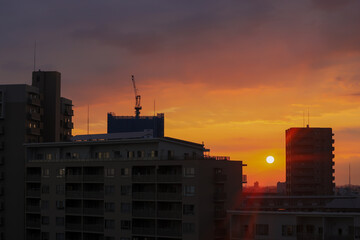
point(309, 161)
point(28, 114)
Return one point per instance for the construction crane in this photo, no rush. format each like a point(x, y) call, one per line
point(137, 98)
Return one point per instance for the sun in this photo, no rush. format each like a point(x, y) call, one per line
point(270, 159)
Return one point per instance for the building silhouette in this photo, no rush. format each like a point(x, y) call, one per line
point(309, 161)
point(28, 114)
point(128, 189)
point(126, 124)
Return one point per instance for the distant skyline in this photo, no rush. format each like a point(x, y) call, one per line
point(235, 75)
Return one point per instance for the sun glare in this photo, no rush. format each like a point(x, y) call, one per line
point(270, 159)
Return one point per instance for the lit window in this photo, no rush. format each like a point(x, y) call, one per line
point(45, 172)
point(48, 156)
point(109, 172)
point(60, 173)
point(154, 153)
point(124, 172)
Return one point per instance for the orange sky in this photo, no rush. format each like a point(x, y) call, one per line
point(233, 74)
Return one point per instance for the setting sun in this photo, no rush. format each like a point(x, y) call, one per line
point(270, 159)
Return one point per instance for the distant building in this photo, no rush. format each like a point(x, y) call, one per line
point(309, 161)
point(122, 124)
point(128, 189)
point(28, 114)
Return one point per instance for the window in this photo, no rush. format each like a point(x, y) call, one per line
point(60, 189)
point(124, 172)
point(170, 154)
point(60, 221)
point(125, 190)
point(262, 229)
point(154, 153)
point(45, 220)
point(189, 172)
point(60, 172)
point(288, 230)
point(44, 204)
point(45, 172)
point(130, 154)
point(188, 227)
point(60, 204)
point(48, 156)
point(117, 154)
point(125, 224)
point(45, 189)
point(109, 172)
point(125, 208)
point(44, 236)
point(189, 209)
point(60, 236)
point(109, 224)
point(109, 189)
point(102, 155)
point(140, 154)
point(189, 190)
point(109, 207)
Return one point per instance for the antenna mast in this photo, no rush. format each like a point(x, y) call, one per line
point(137, 98)
point(35, 57)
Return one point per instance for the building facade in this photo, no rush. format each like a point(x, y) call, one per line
point(130, 189)
point(24, 118)
point(309, 161)
point(125, 124)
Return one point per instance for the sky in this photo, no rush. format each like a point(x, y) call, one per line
point(232, 74)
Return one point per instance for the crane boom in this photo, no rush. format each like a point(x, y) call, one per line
point(137, 98)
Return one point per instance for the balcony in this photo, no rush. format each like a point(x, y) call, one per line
point(143, 178)
point(33, 178)
point(68, 112)
point(220, 178)
point(34, 101)
point(74, 178)
point(73, 227)
point(143, 195)
point(69, 125)
point(33, 193)
point(33, 131)
point(32, 208)
point(147, 213)
point(94, 178)
point(169, 232)
point(94, 195)
point(33, 224)
point(220, 196)
point(165, 196)
point(73, 194)
point(219, 214)
point(94, 227)
point(169, 178)
point(175, 214)
point(93, 211)
point(34, 116)
point(143, 231)
point(73, 210)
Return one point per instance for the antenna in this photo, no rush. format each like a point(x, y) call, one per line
point(35, 56)
point(349, 176)
point(154, 107)
point(308, 118)
point(303, 118)
point(88, 120)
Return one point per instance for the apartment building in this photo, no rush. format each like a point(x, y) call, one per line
point(25, 118)
point(128, 189)
point(309, 161)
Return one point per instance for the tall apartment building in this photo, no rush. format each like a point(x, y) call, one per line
point(26, 116)
point(309, 161)
point(128, 189)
